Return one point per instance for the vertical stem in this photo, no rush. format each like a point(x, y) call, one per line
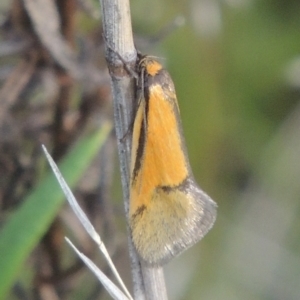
point(148, 282)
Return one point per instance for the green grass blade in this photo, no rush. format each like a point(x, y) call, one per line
point(27, 224)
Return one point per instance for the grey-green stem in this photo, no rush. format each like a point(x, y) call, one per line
point(148, 283)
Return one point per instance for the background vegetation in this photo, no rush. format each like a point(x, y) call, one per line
point(235, 64)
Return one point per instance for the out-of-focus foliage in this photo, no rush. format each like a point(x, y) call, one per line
point(236, 69)
point(29, 223)
point(54, 90)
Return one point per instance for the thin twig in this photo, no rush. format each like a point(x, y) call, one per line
point(148, 282)
point(112, 289)
point(86, 224)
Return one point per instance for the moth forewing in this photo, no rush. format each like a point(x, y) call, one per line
point(168, 211)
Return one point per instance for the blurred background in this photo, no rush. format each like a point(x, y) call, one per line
point(236, 69)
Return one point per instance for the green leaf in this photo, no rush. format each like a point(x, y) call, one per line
point(28, 224)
